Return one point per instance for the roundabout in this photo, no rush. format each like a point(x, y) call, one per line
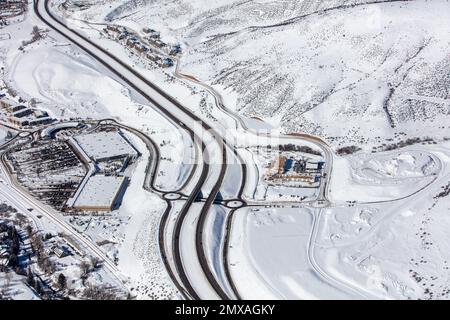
point(235, 204)
point(172, 196)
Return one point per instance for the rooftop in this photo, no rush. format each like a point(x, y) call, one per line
point(105, 145)
point(99, 192)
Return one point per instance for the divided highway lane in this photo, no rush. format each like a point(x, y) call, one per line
point(150, 185)
point(167, 106)
point(186, 120)
point(148, 91)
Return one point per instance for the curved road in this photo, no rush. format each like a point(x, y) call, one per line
point(171, 109)
point(205, 138)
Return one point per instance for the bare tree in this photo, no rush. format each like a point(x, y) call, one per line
point(85, 268)
point(36, 243)
point(94, 262)
point(94, 292)
point(62, 281)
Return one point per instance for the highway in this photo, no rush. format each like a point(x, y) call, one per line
point(214, 153)
point(173, 110)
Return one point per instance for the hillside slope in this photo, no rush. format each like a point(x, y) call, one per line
point(352, 71)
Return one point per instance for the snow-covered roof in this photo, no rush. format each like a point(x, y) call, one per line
point(105, 145)
point(99, 192)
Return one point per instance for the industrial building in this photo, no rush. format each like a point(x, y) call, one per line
point(99, 193)
point(106, 145)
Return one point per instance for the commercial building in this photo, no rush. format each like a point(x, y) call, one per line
point(100, 193)
point(21, 116)
point(24, 121)
point(106, 145)
point(21, 113)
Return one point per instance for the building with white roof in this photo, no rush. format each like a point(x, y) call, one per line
point(99, 193)
point(104, 145)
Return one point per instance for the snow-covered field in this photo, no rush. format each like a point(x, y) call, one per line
point(3, 133)
point(270, 256)
point(383, 176)
point(384, 237)
point(395, 249)
point(15, 287)
point(60, 77)
point(397, 252)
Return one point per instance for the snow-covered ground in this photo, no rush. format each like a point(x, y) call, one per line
point(69, 84)
point(3, 133)
point(396, 249)
point(383, 176)
point(269, 256)
point(396, 252)
point(390, 244)
point(354, 73)
point(15, 287)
